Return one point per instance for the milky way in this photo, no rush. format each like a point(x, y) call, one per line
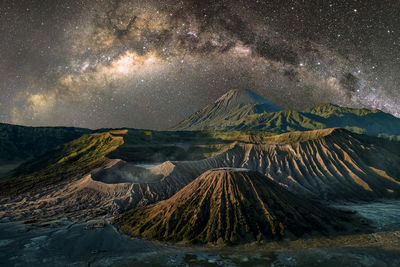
point(146, 64)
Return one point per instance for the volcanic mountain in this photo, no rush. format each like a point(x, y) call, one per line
point(18, 143)
point(244, 110)
point(328, 164)
point(231, 107)
point(232, 206)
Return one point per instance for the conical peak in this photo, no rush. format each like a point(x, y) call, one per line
point(237, 103)
point(230, 206)
point(224, 179)
point(242, 96)
point(227, 173)
point(245, 97)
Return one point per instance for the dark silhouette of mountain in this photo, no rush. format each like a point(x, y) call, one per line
point(21, 142)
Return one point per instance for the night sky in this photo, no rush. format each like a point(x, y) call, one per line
point(149, 64)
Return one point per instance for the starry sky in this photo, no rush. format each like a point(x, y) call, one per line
point(150, 64)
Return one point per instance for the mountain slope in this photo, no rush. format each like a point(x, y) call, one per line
point(21, 142)
point(371, 122)
point(232, 206)
point(322, 116)
point(232, 106)
point(375, 123)
point(329, 164)
point(63, 163)
point(90, 151)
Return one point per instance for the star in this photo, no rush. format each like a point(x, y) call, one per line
point(81, 63)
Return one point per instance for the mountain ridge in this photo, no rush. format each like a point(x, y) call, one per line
point(18, 143)
point(244, 97)
point(324, 165)
point(320, 116)
point(238, 102)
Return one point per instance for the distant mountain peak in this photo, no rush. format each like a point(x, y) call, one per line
point(237, 103)
point(329, 109)
point(244, 97)
point(243, 109)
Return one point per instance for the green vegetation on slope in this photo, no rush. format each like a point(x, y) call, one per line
point(370, 122)
point(158, 146)
point(65, 162)
point(90, 151)
point(136, 146)
point(221, 117)
point(232, 106)
point(20, 143)
point(327, 110)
